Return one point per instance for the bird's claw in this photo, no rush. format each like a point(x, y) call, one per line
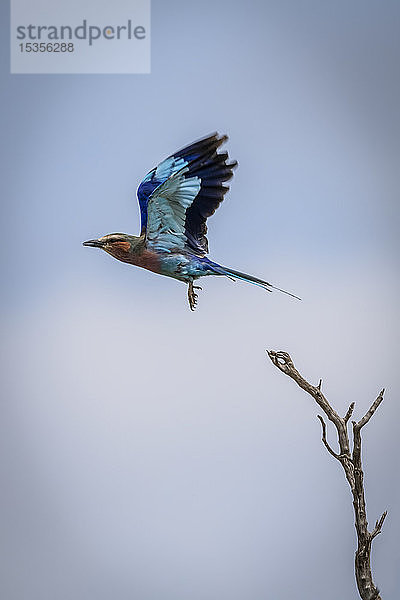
point(192, 296)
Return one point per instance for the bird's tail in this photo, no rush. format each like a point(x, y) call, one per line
point(250, 279)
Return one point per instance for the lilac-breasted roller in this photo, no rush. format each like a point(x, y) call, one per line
point(175, 200)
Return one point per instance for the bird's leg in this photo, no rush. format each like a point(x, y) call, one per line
point(192, 296)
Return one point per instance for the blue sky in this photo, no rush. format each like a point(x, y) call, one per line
point(150, 451)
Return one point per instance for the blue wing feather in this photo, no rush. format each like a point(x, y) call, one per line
point(203, 161)
point(165, 169)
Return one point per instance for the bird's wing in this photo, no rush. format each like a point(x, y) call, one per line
point(178, 196)
point(167, 212)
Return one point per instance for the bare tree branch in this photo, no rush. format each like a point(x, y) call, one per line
point(378, 525)
point(351, 462)
point(371, 411)
point(349, 412)
point(325, 441)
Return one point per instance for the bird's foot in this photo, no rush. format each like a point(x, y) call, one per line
point(192, 296)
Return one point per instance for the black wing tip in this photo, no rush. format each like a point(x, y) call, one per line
point(214, 136)
point(205, 147)
point(209, 150)
point(214, 141)
point(209, 139)
point(224, 138)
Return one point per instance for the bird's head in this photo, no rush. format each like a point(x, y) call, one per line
point(119, 245)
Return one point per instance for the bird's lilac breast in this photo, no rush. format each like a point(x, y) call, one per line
point(148, 260)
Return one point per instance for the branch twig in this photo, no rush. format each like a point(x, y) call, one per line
point(352, 465)
point(325, 441)
point(349, 412)
point(371, 410)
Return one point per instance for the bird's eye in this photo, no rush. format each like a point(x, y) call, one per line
point(118, 244)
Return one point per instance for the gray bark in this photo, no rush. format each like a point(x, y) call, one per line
point(351, 461)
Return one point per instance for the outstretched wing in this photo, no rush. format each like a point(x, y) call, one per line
point(178, 196)
point(167, 212)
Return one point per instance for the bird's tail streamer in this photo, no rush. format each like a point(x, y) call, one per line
point(250, 279)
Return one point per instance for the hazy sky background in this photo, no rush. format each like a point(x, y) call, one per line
point(149, 452)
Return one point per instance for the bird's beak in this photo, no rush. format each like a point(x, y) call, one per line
point(93, 243)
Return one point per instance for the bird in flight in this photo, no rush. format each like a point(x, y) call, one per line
point(175, 200)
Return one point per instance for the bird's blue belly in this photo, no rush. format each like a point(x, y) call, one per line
point(183, 267)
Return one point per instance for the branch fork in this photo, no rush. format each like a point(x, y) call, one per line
point(351, 461)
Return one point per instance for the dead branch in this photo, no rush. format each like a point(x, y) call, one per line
point(351, 462)
point(349, 412)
